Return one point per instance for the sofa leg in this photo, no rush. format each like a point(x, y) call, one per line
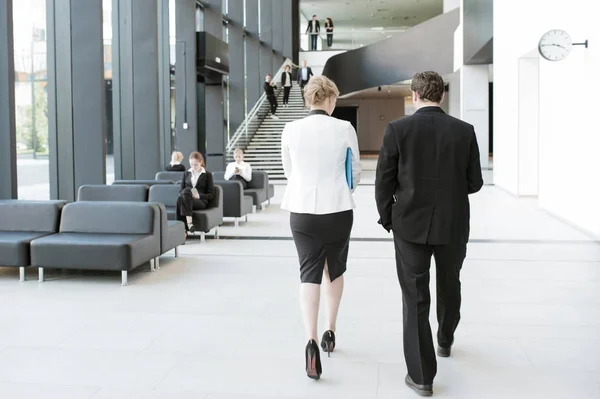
point(253, 208)
point(124, 278)
point(157, 263)
point(237, 222)
point(269, 202)
point(202, 236)
point(41, 274)
point(217, 233)
point(152, 265)
point(176, 252)
point(21, 273)
point(246, 218)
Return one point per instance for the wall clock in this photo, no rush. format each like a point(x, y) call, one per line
point(555, 45)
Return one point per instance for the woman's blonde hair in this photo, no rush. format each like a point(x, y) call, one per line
point(318, 90)
point(238, 151)
point(176, 156)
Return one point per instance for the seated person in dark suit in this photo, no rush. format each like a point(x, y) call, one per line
point(197, 190)
point(239, 170)
point(176, 165)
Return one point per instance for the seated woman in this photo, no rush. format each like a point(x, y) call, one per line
point(175, 165)
point(197, 190)
point(239, 170)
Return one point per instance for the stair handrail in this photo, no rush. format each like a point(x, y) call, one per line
point(243, 128)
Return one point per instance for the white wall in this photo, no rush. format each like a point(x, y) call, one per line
point(317, 59)
point(475, 105)
point(569, 138)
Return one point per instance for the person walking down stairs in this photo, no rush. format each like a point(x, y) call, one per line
point(270, 92)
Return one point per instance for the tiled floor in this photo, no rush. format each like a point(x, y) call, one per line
point(222, 321)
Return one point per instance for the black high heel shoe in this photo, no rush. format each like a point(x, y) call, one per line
point(328, 342)
point(313, 360)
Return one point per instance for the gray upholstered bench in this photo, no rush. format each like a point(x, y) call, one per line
point(204, 220)
point(175, 177)
point(20, 223)
point(117, 192)
point(235, 203)
point(117, 236)
point(172, 232)
point(145, 182)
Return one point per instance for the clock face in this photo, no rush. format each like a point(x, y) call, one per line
point(555, 45)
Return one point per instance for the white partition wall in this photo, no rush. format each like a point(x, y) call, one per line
point(569, 138)
point(474, 81)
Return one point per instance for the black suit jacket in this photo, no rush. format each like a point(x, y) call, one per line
point(309, 73)
point(317, 27)
point(204, 185)
point(284, 78)
point(175, 168)
point(428, 165)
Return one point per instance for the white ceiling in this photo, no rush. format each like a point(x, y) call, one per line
point(387, 91)
point(354, 19)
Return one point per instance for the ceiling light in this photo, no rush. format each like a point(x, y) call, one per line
point(377, 28)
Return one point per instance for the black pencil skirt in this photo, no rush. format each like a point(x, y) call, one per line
point(321, 238)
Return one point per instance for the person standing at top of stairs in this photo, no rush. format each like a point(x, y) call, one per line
point(270, 92)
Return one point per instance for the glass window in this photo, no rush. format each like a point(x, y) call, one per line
point(172, 57)
point(108, 92)
point(31, 98)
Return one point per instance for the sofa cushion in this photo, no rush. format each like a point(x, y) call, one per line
point(14, 247)
point(30, 216)
point(109, 217)
point(91, 251)
point(119, 192)
point(176, 236)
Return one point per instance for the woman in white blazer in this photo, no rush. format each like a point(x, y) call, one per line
point(320, 202)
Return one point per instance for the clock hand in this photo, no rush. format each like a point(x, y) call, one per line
point(555, 45)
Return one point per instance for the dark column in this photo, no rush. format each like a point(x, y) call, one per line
point(212, 130)
point(295, 25)
point(8, 149)
point(287, 18)
point(136, 90)
point(278, 35)
point(76, 103)
point(186, 135)
point(237, 80)
point(253, 79)
point(164, 88)
point(266, 37)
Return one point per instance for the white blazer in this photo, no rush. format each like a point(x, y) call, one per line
point(313, 150)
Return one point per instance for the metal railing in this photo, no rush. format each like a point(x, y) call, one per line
point(254, 118)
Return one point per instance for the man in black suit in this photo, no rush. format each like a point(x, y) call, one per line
point(313, 29)
point(304, 75)
point(428, 165)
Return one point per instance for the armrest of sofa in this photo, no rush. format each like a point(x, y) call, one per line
point(233, 198)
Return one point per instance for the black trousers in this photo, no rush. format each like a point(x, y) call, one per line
point(313, 41)
point(329, 39)
point(186, 204)
point(412, 264)
point(241, 180)
point(286, 94)
point(273, 103)
point(302, 84)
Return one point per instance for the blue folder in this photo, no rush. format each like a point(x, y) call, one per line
point(349, 169)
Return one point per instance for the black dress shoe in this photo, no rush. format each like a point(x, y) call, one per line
point(328, 342)
point(421, 390)
point(444, 352)
point(313, 360)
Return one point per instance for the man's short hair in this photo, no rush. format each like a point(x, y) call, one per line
point(429, 86)
point(314, 15)
point(269, 75)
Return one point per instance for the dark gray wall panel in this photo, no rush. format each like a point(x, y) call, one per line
point(213, 18)
point(253, 79)
point(286, 39)
point(277, 34)
point(76, 105)
point(8, 157)
point(164, 76)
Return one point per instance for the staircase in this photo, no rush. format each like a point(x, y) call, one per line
point(263, 151)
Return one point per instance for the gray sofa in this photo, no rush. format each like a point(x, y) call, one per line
point(204, 220)
point(113, 236)
point(119, 192)
point(258, 187)
point(145, 182)
point(175, 177)
point(235, 203)
point(172, 232)
point(21, 222)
